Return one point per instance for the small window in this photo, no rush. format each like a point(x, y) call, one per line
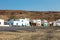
point(11, 23)
point(22, 20)
point(5, 23)
point(16, 24)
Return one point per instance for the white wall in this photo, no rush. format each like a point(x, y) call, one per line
point(38, 22)
point(25, 22)
point(4, 25)
point(15, 23)
point(2, 22)
point(54, 23)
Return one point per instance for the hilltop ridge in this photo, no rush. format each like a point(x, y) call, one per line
point(48, 15)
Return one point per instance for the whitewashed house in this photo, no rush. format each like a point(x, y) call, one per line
point(45, 23)
point(2, 23)
point(10, 22)
point(21, 22)
point(16, 23)
point(38, 22)
point(27, 22)
point(56, 23)
point(34, 21)
point(24, 22)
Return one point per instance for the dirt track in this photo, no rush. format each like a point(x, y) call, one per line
point(32, 28)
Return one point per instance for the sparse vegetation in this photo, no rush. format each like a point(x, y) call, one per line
point(40, 34)
point(50, 16)
point(33, 34)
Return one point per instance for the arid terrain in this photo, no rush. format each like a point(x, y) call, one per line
point(40, 34)
point(16, 14)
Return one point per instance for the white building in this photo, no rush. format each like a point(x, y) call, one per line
point(24, 22)
point(38, 22)
point(33, 21)
point(45, 23)
point(2, 23)
point(56, 23)
point(16, 23)
point(21, 22)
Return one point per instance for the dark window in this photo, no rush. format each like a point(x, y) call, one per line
point(5, 23)
point(22, 20)
point(16, 24)
point(11, 23)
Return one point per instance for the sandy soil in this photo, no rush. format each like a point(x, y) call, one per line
point(40, 34)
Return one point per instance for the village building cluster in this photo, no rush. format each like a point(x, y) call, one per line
point(26, 22)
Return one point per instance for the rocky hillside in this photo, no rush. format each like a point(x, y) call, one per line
point(15, 14)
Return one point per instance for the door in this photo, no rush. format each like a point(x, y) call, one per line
point(16, 24)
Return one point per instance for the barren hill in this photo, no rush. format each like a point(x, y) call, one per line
point(15, 14)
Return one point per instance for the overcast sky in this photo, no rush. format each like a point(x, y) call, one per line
point(32, 5)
